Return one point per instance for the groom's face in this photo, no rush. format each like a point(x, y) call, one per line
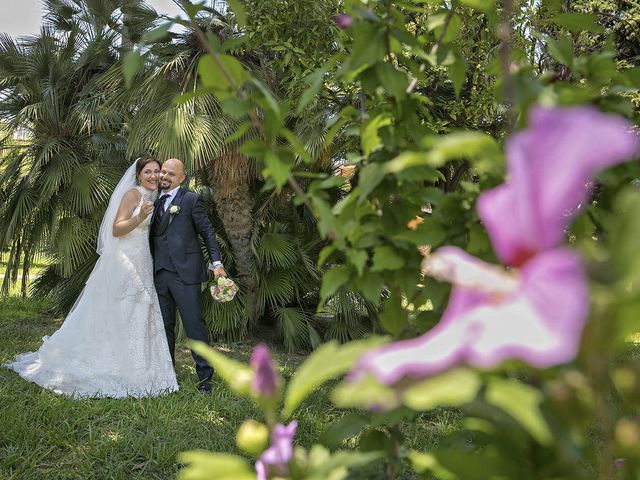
point(171, 174)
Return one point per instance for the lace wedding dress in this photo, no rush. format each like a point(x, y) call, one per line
point(112, 343)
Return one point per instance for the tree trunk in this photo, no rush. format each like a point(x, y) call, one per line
point(26, 265)
point(230, 181)
point(126, 45)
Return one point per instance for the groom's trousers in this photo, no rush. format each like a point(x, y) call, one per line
point(172, 293)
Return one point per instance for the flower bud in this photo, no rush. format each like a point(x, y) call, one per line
point(252, 437)
point(241, 383)
point(343, 21)
point(266, 379)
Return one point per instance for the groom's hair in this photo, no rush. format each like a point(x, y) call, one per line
point(142, 161)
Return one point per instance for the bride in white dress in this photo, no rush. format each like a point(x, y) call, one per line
point(112, 343)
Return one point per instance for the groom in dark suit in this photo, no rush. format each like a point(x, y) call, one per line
point(178, 219)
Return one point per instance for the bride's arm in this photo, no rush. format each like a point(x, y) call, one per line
point(125, 222)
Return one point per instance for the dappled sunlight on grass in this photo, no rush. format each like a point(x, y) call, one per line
point(45, 435)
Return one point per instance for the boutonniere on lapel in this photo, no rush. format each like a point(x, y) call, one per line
point(174, 209)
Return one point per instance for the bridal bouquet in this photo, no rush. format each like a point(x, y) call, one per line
point(223, 289)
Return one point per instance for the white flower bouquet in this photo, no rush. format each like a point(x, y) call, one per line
point(223, 289)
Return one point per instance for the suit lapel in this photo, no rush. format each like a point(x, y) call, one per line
point(167, 218)
point(155, 211)
point(177, 200)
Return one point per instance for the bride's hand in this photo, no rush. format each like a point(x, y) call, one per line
point(145, 211)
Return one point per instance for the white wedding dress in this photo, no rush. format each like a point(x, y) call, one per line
point(112, 343)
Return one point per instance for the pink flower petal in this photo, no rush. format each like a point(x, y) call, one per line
point(453, 265)
point(343, 21)
point(265, 382)
point(549, 165)
point(539, 323)
point(277, 457)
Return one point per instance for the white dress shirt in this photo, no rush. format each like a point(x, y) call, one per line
point(169, 199)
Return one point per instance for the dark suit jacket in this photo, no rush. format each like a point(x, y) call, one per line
point(177, 236)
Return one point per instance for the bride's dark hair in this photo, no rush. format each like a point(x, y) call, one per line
point(142, 161)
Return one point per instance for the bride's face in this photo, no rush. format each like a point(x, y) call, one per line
point(148, 177)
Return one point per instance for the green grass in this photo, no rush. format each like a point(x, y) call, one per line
point(48, 436)
point(36, 268)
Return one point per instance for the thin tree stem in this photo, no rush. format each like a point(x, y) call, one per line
point(504, 33)
point(447, 22)
point(255, 120)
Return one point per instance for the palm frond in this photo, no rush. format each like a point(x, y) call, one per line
point(276, 250)
point(296, 328)
point(226, 321)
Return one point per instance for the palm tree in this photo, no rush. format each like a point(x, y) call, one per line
point(55, 184)
point(94, 123)
point(193, 129)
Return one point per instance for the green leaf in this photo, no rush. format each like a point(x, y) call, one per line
point(370, 285)
point(631, 77)
point(436, 22)
point(130, 66)
point(521, 402)
point(374, 441)
point(314, 81)
point(386, 258)
point(396, 416)
point(370, 177)
point(236, 374)
point(188, 96)
point(253, 148)
point(270, 101)
point(156, 34)
point(240, 132)
point(412, 166)
point(193, 9)
point(450, 389)
point(201, 465)
point(325, 253)
point(369, 47)
point(427, 233)
point(393, 80)
point(479, 242)
point(224, 74)
point(358, 258)
point(276, 169)
point(393, 318)
point(238, 11)
point(370, 139)
point(348, 426)
point(460, 463)
point(328, 362)
point(365, 393)
point(626, 323)
point(623, 241)
point(336, 466)
point(333, 279)
point(478, 147)
point(458, 73)
point(485, 6)
point(561, 49)
point(234, 43)
point(297, 145)
point(236, 108)
point(578, 22)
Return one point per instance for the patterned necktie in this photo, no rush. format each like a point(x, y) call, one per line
point(160, 207)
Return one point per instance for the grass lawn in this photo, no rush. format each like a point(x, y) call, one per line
point(48, 436)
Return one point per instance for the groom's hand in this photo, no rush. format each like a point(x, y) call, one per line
point(219, 272)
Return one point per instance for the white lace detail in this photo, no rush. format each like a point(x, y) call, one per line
point(112, 343)
point(136, 254)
